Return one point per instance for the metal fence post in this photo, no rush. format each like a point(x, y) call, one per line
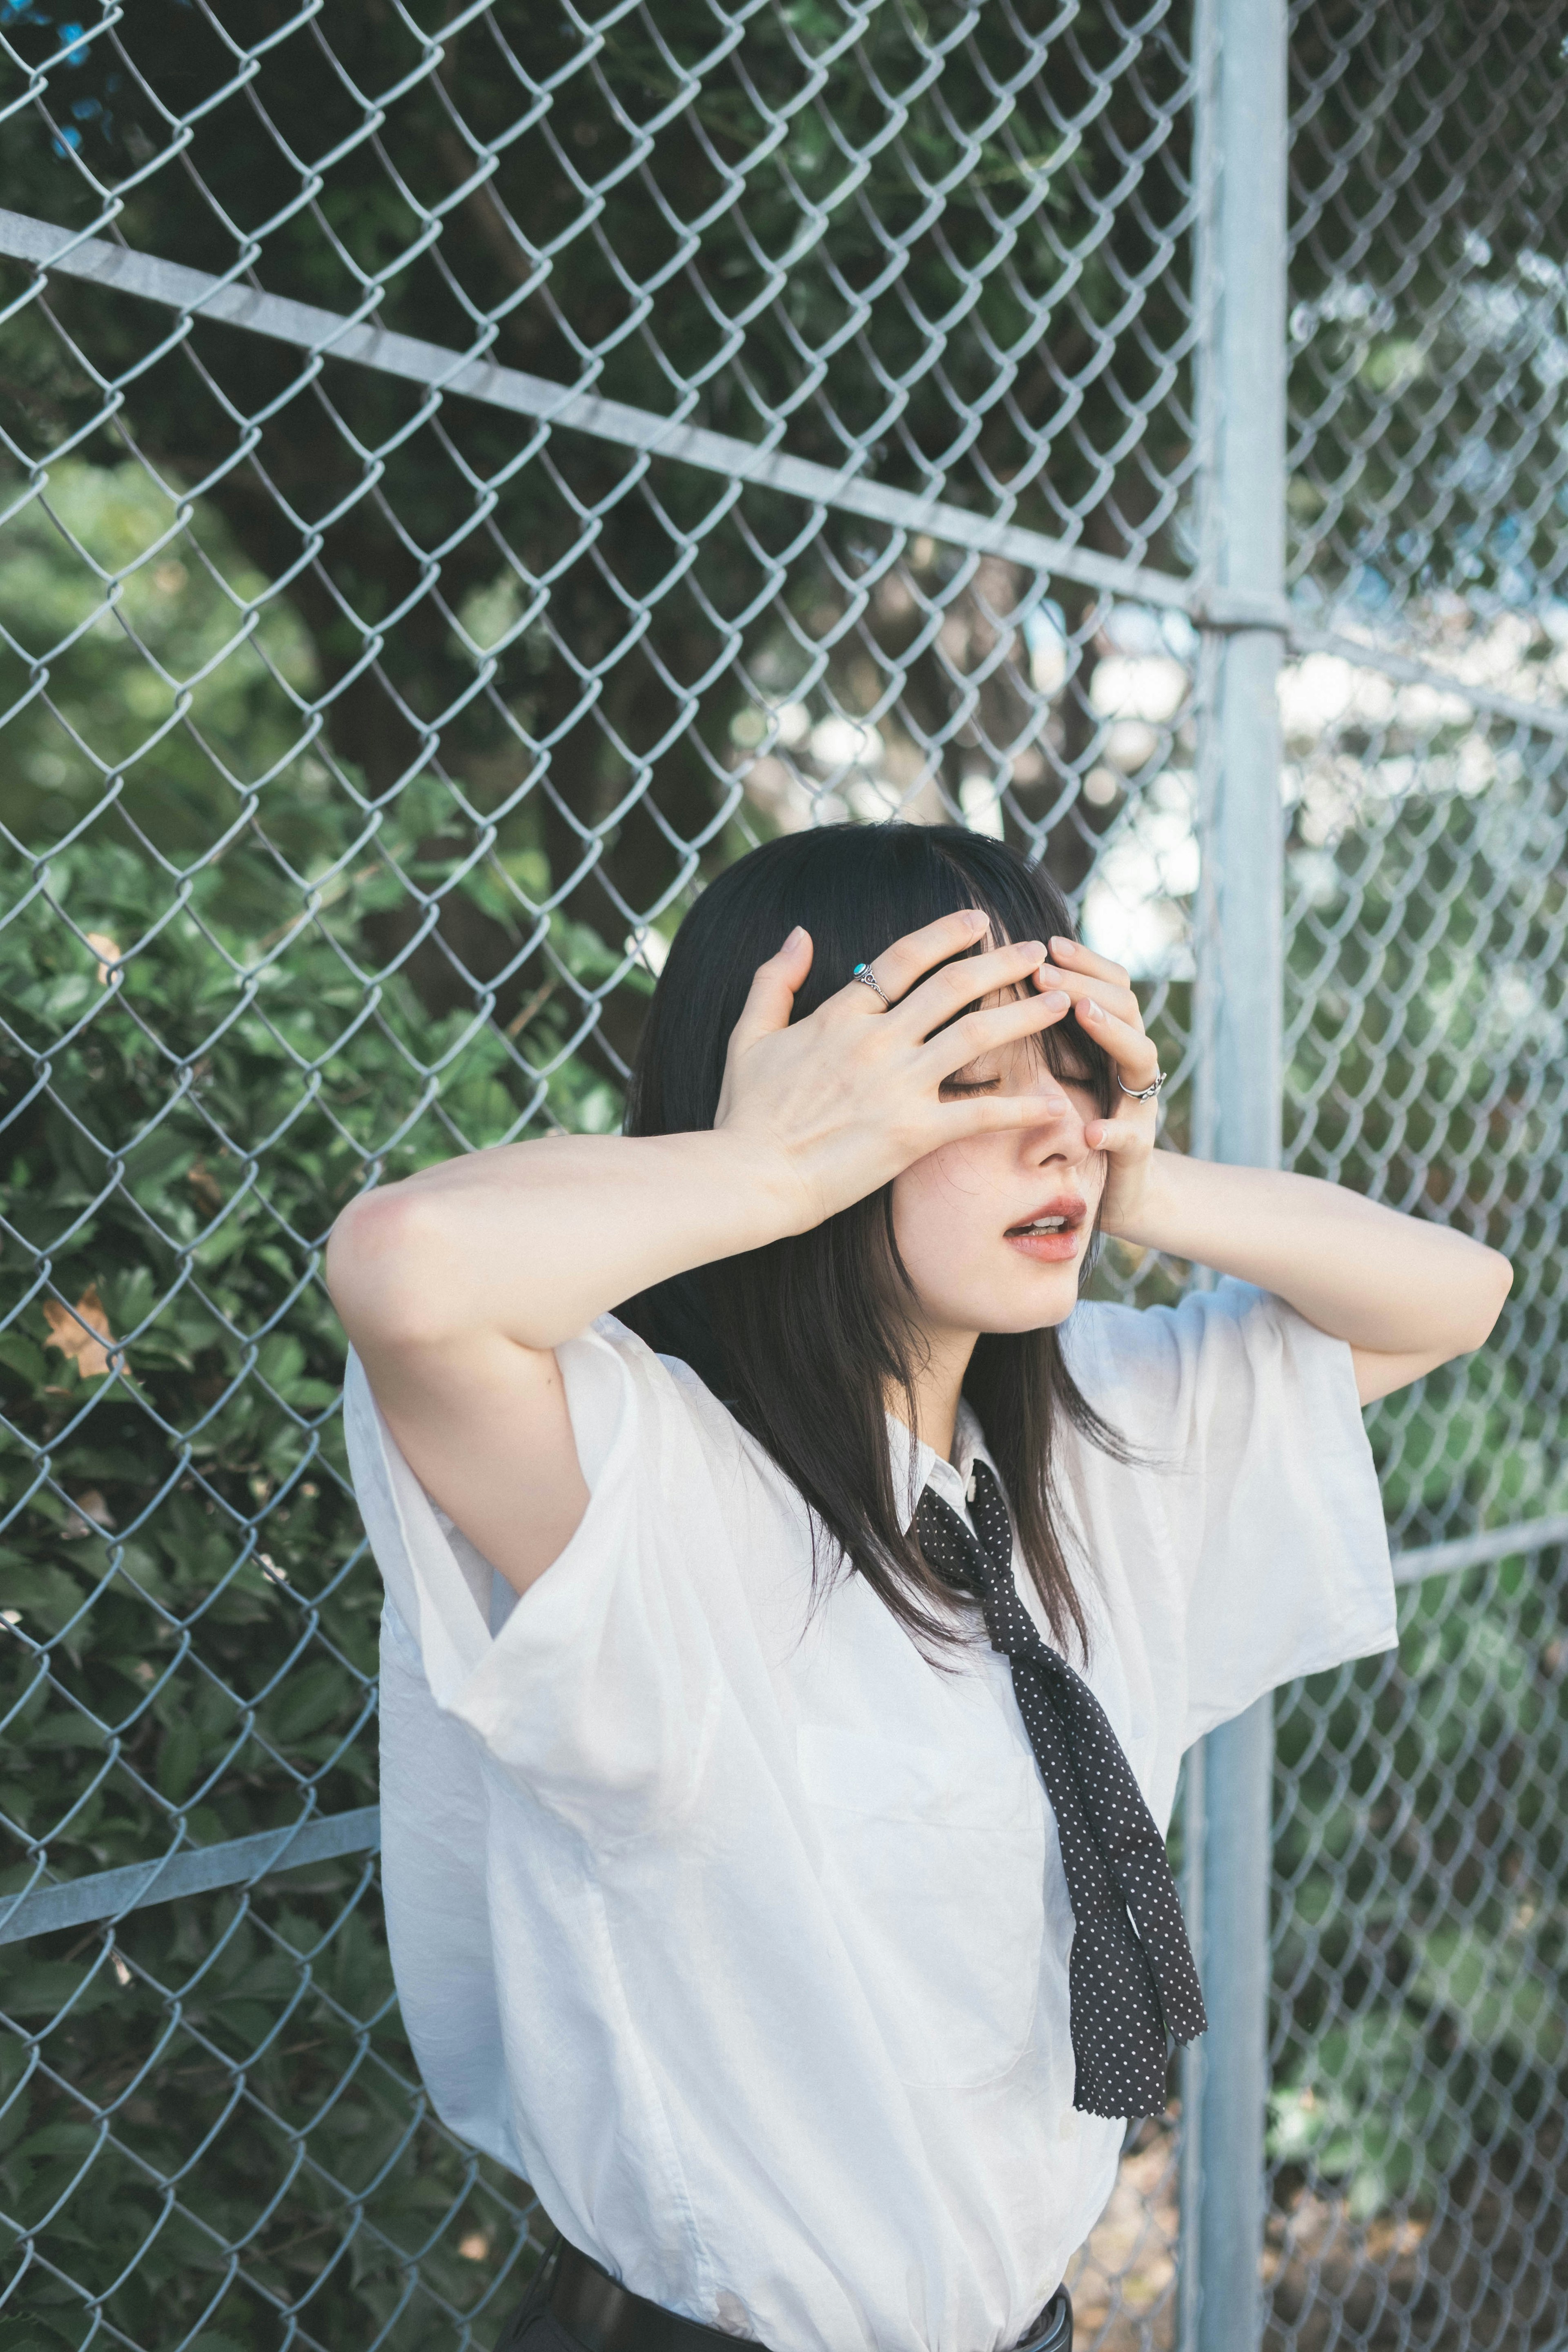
point(1241, 273)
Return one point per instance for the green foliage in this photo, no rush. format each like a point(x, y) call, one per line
point(229, 1057)
point(1427, 1002)
point(1427, 304)
point(1421, 1953)
point(194, 1574)
point(280, 2099)
point(191, 653)
point(1037, 305)
point(301, 768)
point(1392, 2107)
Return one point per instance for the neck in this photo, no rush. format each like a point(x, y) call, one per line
point(939, 1383)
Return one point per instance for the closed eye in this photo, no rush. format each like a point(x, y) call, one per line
point(955, 1087)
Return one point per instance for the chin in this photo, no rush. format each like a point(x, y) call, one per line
point(1046, 1296)
point(1037, 1314)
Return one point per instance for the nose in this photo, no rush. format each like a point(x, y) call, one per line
point(1057, 1132)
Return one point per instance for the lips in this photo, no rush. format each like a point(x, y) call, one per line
point(1049, 1234)
point(1062, 1214)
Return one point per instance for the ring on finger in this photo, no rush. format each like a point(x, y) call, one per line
point(1142, 1093)
point(864, 971)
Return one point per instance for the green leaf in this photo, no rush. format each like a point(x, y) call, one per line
point(181, 1759)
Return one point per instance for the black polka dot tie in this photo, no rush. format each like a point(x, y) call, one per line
point(1131, 1976)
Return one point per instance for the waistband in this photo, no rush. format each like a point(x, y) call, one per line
point(599, 2314)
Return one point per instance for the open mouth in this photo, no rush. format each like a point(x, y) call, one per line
point(1061, 1217)
point(1051, 1233)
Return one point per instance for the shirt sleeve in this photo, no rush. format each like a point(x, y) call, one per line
point(598, 1685)
point(1259, 1455)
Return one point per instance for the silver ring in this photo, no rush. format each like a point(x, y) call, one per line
point(1142, 1094)
point(864, 971)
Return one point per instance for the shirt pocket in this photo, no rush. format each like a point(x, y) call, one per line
point(934, 1870)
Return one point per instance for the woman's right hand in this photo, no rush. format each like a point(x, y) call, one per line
point(851, 1096)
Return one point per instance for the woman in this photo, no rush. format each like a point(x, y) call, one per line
point(786, 1674)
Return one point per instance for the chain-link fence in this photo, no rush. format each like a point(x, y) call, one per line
point(471, 470)
point(1421, 2023)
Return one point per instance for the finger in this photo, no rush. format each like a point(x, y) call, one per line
point(1123, 1001)
point(1073, 956)
point(997, 973)
point(983, 1031)
point(1129, 1046)
point(899, 967)
point(1114, 1135)
point(1115, 1000)
point(988, 1114)
point(770, 1000)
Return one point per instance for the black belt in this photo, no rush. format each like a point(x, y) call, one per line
point(601, 2315)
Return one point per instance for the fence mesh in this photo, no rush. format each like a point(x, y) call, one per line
point(1421, 1902)
point(367, 739)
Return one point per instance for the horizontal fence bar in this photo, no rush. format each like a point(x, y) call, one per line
point(203, 1870)
point(1408, 671)
point(196, 1870)
point(325, 334)
point(1472, 1551)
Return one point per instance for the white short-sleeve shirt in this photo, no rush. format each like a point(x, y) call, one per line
point(739, 1928)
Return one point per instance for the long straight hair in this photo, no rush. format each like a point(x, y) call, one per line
point(805, 1338)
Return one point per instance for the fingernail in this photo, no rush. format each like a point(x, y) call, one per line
point(797, 934)
point(1056, 996)
point(976, 917)
point(1092, 1009)
point(1063, 947)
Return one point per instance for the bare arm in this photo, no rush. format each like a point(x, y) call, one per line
point(1406, 1295)
point(457, 1286)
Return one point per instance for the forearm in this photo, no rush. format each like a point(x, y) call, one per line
point(1384, 1282)
point(533, 1240)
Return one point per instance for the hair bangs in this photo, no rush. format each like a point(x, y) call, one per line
point(808, 1338)
point(1009, 894)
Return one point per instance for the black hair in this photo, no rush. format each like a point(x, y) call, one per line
point(804, 1338)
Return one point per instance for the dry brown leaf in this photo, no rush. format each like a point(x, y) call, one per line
point(67, 1332)
point(205, 1186)
point(108, 951)
point(536, 1002)
point(89, 1515)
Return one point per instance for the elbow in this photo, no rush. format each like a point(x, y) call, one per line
point(1495, 1281)
point(385, 1271)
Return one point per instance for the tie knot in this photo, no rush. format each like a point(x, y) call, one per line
point(950, 1548)
point(969, 1558)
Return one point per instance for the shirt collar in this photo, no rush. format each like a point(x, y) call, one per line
point(915, 1465)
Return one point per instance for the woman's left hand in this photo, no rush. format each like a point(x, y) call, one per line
point(1404, 1294)
point(1106, 1009)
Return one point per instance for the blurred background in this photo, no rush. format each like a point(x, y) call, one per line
point(673, 425)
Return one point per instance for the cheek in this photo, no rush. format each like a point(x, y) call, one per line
point(946, 1199)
